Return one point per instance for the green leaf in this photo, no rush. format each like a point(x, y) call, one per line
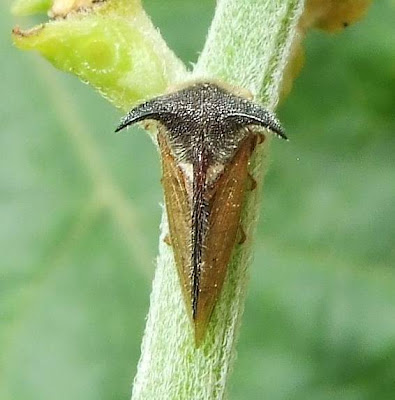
point(30, 7)
point(78, 257)
point(113, 47)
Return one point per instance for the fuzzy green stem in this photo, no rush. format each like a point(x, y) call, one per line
point(249, 44)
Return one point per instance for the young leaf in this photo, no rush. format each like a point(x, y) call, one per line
point(112, 46)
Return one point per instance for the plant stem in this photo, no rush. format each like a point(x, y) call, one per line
point(249, 44)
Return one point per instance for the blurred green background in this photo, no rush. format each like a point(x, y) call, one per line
point(75, 275)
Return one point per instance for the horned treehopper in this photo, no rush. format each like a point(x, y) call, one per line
point(206, 140)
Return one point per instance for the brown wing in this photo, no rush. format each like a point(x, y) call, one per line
point(225, 206)
point(179, 217)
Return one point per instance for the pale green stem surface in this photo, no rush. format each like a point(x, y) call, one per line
point(248, 45)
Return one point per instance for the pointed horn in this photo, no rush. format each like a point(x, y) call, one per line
point(253, 114)
point(152, 109)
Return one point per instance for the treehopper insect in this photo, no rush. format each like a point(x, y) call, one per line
point(205, 141)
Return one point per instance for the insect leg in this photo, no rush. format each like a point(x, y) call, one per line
point(251, 182)
point(167, 240)
point(241, 235)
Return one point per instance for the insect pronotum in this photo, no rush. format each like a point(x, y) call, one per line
point(206, 142)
